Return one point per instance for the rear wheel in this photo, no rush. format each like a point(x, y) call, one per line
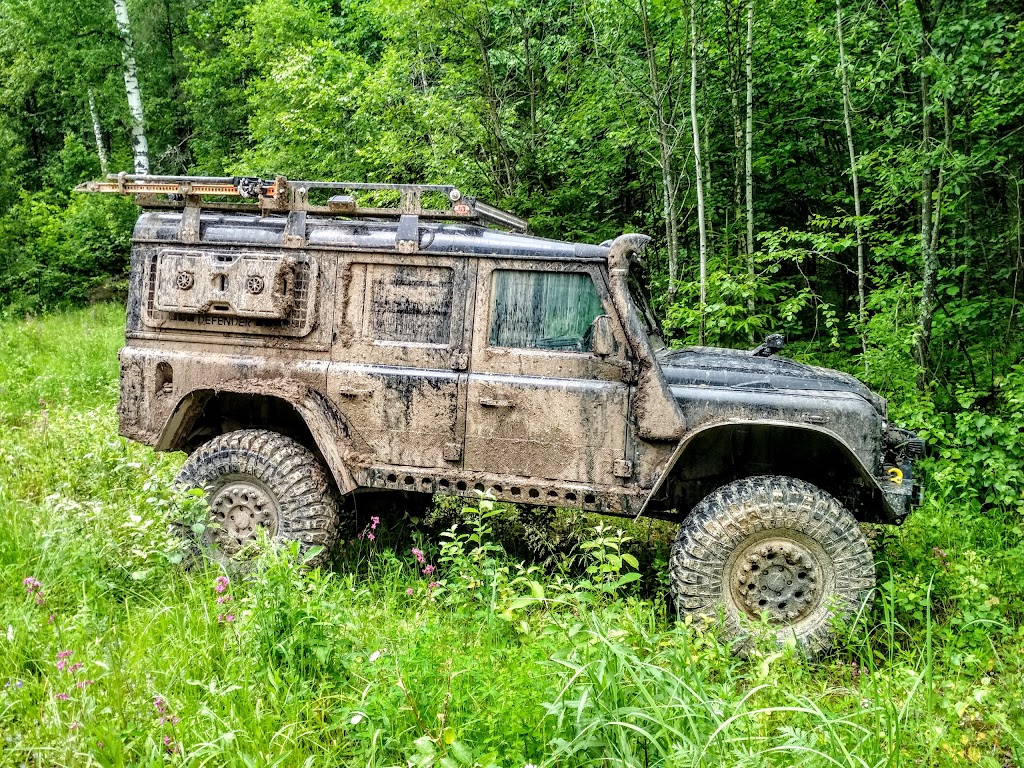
point(256, 479)
point(772, 548)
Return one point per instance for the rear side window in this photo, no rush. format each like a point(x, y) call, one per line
point(543, 310)
point(409, 304)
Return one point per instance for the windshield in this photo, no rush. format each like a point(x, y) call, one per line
point(641, 295)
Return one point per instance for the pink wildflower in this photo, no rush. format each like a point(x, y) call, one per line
point(51, 619)
point(225, 618)
point(158, 703)
point(61, 696)
point(31, 584)
point(223, 599)
point(75, 667)
point(434, 584)
point(65, 654)
point(359, 535)
point(84, 683)
point(418, 554)
point(374, 522)
point(221, 584)
point(428, 570)
point(40, 600)
point(371, 536)
point(169, 745)
point(409, 591)
point(74, 726)
point(99, 745)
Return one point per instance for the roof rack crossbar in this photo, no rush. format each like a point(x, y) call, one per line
point(284, 195)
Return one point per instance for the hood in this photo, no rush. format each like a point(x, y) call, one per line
point(714, 367)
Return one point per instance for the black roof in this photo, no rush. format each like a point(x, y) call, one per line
point(333, 233)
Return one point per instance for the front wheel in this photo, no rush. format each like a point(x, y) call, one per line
point(256, 479)
point(772, 548)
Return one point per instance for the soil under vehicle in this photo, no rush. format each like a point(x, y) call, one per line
point(307, 351)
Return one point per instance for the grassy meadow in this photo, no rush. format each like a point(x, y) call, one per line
point(445, 641)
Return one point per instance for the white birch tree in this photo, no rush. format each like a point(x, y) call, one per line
point(140, 146)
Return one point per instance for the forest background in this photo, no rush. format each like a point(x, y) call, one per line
point(846, 173)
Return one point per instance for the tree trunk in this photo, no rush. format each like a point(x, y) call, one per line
point(848, 123)
point(131, 87)
point(748, 147)
point(929, 262)
point(97, 132)
point(735, 65)
point(669, 183)
point(698, 174)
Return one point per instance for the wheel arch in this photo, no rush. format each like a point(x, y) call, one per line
point(723, 452)
point(311, 420)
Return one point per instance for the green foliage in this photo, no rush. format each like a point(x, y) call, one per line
point(63, 255)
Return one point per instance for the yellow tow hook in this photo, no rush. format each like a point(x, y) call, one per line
point(895, 475)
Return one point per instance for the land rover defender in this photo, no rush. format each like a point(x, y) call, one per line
point(316, 348)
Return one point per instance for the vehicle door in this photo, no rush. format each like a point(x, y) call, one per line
point(399, 358)
point(540, 402)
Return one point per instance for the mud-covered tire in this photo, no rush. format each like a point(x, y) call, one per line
point(256, 478)
point(777, 546)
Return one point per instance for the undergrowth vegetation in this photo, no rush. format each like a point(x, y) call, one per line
point(465, 638)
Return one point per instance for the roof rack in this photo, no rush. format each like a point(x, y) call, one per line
point(282, 195)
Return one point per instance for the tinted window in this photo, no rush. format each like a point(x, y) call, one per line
point(543, 310)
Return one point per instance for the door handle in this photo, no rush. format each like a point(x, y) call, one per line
point(355, 392)
point(488, 402)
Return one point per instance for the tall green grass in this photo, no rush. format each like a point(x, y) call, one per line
point(485, 661)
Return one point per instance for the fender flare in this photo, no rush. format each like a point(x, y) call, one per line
point(834, 439)
point(328, 427)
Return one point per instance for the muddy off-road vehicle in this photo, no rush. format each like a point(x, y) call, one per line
point(321, 349)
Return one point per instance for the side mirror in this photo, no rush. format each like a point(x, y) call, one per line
point(602, 336)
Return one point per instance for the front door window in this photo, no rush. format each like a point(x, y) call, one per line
point(543, 310)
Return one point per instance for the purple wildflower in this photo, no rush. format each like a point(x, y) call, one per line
point(221, 584)
point(31, 584)
point(428, 570)
point(418, 554)
point(159, 704)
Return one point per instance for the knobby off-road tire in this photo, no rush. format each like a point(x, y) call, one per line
point(255, 479)
point(772, 546)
